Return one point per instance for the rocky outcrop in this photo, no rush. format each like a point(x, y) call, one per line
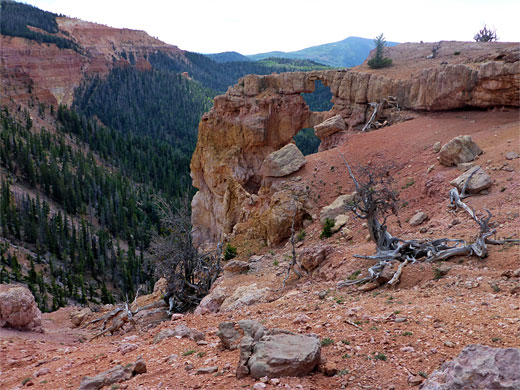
point(260, 115)
point(53, 73)
point(18, 308)
point(459, 150)
point(478, 367)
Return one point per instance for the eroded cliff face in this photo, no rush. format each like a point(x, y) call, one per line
point(52, 74)
point(261, 114)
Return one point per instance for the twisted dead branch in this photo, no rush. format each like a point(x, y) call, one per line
point(374, 201)
point(295, 263)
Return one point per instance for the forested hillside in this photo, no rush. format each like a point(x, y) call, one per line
point(79, 185)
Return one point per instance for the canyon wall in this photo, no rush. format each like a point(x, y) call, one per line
point(261, 114)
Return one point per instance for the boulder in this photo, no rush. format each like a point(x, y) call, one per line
point(78, 317)
point(418, 218)
point(340, 221)
point(212, 302)
point(284, 354)
point(236, 267)
point(180, 331)
point(330, 126)
point(114, 375)
point(312, 257)
point(159, 291)
point(478, 367)
point(244, 296)
point(479, 181)
point(231, 333)
point(460, 149)
point(18, 308)
point(283, 162)
point(338, 207)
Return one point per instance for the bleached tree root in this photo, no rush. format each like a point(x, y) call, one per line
point(392, 249)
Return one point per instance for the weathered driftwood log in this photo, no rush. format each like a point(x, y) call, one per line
point(368, 206)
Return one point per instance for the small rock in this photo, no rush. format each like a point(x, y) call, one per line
point(322, 294)
point(259, 386)
point(479, 181)
point(206, 370)
point(177, 316)
point(368, 286)
point(418, 218)
point(328, 368)
point(415, 380)
point(516, 273)
point(459, 150)
point(275, 381)
point(449, 344)
point(436, 148)
point(42, 371)
point(301, 319)
point(512, 155)
point(465, 166)
point(400, 319)
point(236, 267)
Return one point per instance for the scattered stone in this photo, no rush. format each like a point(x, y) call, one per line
point(340, 221)
point(387, 273)
point(478, 367)
point(459, 150)
point(515, 290)
point(329, 127)
point(479, 181)
point(512, 155)
point(516, 273)
point(418, 218)
point(177, 316)
point(338, 207)
point(400, 319)
point(206, 370)
point(116, 374)
point(328, 368)
point(181, 331)
point(125, 348)
point(42, 371)
point(465, 166)
point(236, 267)
point(77, 318)
point(231, 333)
point(301, 319)
point(322, 294)
point(436, 148)
point(283, 353)
point(311, 257)
point(259, 386)
point(449, 344)
point(18, 308)
point(415, 380)
point(212, 302)
point(283, 162)
point(244, 296)
point(368, 286)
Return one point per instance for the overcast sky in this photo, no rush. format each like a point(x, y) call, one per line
point(249, 27)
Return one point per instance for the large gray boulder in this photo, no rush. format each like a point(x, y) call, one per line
point(284, 354)
point(330, 126)
point(18, 308)
point(283, 162)
point(459, 150)
point(478, 367)
point(479, 181)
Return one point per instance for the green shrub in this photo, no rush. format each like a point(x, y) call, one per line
point(327, 229)
point(230, 252)
point(326, 341)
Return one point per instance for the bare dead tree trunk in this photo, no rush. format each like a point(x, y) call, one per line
point(374, 199)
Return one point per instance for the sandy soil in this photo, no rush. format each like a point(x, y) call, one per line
point(380, 338)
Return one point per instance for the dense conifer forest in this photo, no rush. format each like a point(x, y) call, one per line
point(78, 200)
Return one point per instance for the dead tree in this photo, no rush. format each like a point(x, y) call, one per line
point(435, 50)
point(375, 121)
point(375, 201)
point(295, 264)
point(190, 273)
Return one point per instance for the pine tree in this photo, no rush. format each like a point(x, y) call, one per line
point(379, 61)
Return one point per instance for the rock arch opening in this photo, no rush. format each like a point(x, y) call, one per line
point(318, 101)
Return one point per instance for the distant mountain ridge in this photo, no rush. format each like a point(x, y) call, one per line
point(349, 52)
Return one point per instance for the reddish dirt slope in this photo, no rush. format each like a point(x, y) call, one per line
point(473, 303)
